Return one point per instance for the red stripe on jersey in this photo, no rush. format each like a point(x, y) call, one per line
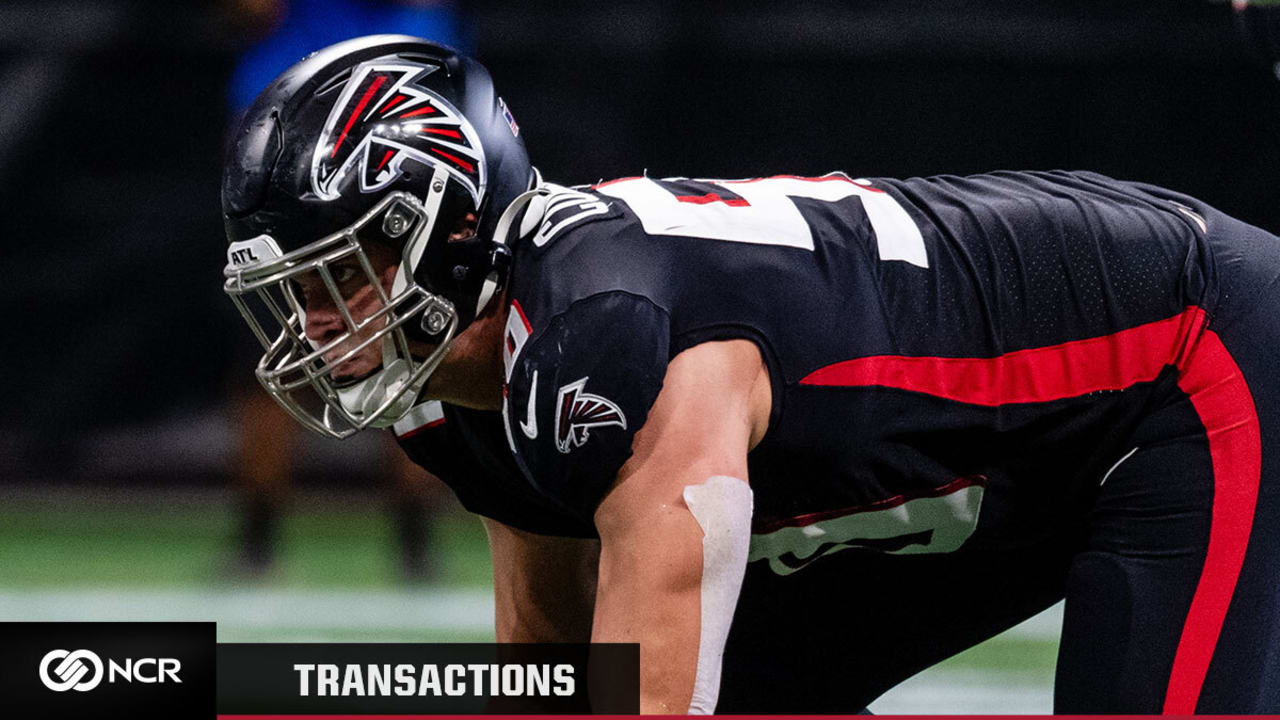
point(711, 198)
point(1207, 374)
point(768, 525)
point(1109, 362)
point(1224, 403)
point(824, 178)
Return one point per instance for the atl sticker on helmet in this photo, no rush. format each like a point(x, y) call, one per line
point(251, 251)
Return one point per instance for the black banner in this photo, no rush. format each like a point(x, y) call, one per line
point(315, 678)
point(177, 671)
point(125, 670)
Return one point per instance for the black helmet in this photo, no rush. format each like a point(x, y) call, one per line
point(384, 139)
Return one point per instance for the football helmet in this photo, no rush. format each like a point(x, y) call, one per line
point(386, 140)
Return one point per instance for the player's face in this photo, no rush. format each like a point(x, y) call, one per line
point(324, 318)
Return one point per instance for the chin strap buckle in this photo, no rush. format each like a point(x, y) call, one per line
point(500, 264)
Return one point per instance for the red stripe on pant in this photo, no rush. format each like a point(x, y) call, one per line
point(1209, 376)
point(1222, 400)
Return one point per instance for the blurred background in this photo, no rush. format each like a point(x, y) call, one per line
point(144, 475)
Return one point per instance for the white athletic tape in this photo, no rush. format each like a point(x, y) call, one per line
point(722, 506)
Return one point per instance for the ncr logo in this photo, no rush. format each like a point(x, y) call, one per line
point(134, 670)
point(83, 670)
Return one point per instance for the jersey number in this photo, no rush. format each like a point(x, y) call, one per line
point(761, 211)
point(916, 526)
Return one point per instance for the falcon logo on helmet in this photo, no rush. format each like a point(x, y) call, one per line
point(382, 119)
point(577, 411)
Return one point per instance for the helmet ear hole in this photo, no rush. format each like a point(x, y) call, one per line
point(464, 228)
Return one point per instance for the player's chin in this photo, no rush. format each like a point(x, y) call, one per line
point(355, 370)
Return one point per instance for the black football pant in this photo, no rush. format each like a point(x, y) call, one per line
point(1170, 567)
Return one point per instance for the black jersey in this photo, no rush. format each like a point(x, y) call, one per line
point(468, 451)
point(948, 356)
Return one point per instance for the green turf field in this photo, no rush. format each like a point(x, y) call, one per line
point(174, 541)
point(93, 555)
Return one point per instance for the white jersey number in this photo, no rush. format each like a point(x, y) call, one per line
point(760, 211)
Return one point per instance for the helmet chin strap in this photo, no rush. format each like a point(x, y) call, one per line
point(397, 379)
point(502, 230)
point(366, 396)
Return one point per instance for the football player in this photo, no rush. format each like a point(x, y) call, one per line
point(829, 430)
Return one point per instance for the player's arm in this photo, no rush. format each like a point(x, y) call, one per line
point(543, 586)
point(663, 582)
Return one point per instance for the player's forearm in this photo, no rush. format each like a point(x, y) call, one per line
point(524, 617)
point(675, 527)
point(543, 587)
point(654, 600)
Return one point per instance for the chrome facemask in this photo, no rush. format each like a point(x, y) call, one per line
point(263, 283)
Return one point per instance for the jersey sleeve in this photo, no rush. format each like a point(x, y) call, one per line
point(581, 390)
point(461, 447)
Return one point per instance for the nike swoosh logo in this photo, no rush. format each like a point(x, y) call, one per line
point(1194, 216)
point(529, 426)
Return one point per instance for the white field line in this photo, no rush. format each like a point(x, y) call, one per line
point(428, 609)
point(1045, 626)
point(969, 692)
point(965, 693)
point(425, 610)
point(442, 610)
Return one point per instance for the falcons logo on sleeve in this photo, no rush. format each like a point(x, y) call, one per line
point(578, 411)
point(383, 119)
